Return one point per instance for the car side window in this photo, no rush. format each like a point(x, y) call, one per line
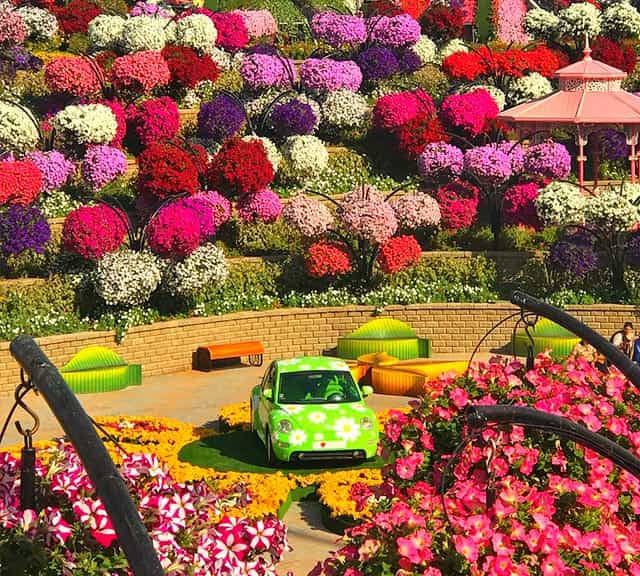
point(267, 381)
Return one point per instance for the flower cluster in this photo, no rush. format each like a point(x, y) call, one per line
point(143, 34)
point(440, 160)
point(140, 72)
point(18, 129)
point(13, 28)
point(327, 259)
point(120, 114)
point(508, 16)
point(220, 118)
point(548, 160)
point(105, 31)
point(416, 210)
point(293, 118)
point(54, 167)
point(343, 109)
point(232, 30)
point(219, 205)
point(393, 31)
point(443, 23)
point(86, 124)
point(377, 63)
point(609, 209)
point(126, 278)
point(365, 213)
point(101, 165)
point(458, 201)
point(187, 68)
point(394, 110)
point(263, 205)
point(151, 121)
point(519, 205)
point(41, 24)
point(310, 216)
point(469, 112)
point(20, 182)
point(74, 17)
point(323, 75)
point(203, 267)
point(196, 31)
point(621, 56)
point(399, 253)
point(339, 29)
point(426, 50)
point(573, 256)
point(621, 20)
point(579, 20)
point(165, 170)
point(306, 156)
point(541, 23)
point(561, 203)
point(23, 228)
point(204, 209)
point(273, 154)
point(488, 164)
point(142, 8)
point(93, 231)
point(259, 23)
point(263, 71)
point(174, 232)
point(240, 167)
point(528, 87)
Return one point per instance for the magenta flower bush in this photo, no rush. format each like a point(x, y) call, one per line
point(339, 29)
point(262, 71)
point(55, 167)
point(204, 211)
point(416, 210)
point(310, 216)
point(261, 206)
point(93, 231)
point(469, 112)
point(189, 524)
point(152, 120)
point(519, 205)
point(393, 31)
point(549, 160)
point(394, 110)
point(220, 206)
point(440, 161)
point(322, 75)
point(365, 214)
point(174, 232)
point(102, 165)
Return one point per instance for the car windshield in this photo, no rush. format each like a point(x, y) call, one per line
point(317, 387)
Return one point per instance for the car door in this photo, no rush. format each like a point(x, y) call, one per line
point(265, 405)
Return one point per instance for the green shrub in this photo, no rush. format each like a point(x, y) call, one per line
point(527, 239)
point(78, 43)
point(229, 80)
point(429, 78)
point(299, 49)
point(115, 7)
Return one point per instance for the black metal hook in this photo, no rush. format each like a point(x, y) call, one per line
point(25, 385)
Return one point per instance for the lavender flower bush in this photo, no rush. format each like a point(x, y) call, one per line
point(102, 165)
point(220, 118)
point(339, 29)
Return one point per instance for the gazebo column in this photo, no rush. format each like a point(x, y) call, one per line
point(595, 150)
point(582, 142)
point(632, 142)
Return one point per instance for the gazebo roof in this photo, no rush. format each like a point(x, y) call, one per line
point(590, 93)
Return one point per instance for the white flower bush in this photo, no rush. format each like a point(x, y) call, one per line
point(541, 23)
point(345, 109)
point(198, 32)
point(528, 87)
point(580, 19)
point(56, 203)
point(127, 278)
point(143, 33)
point(203, 267)
point(86, 123)
point(104, 32)
point(426, 50)
point(273, 154)
point(561, 203)
point(621, 20)
point(609, 209)
point(306, 156)
point(223, 59)
point(257, 106)
point(41, 23)
point(451, 47)
point(18, 129)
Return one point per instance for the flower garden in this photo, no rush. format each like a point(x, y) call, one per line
point(167, 160)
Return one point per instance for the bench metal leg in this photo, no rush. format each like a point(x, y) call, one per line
point(255, 359)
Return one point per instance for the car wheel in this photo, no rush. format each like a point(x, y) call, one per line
point(271, 457)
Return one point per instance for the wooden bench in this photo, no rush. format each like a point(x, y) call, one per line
point(205, 355)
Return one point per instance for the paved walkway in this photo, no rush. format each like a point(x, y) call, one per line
point(196, 398)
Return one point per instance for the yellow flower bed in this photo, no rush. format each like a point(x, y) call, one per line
point(235, 416)
point(334, 490)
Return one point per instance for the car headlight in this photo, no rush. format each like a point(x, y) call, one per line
point(366, 423)
point(285, 426)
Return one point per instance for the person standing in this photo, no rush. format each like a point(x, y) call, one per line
point(624, 339)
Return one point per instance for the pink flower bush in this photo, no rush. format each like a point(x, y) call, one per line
point(259, 23)
point(508, 17)
point(488, 164)
point(93, 231)
point(417, 210)
point(55, 168)
point(322, 75)
point(232, 30)
point(73, 76)
point(140, 72)
point(174, 232)
point(365, 213)
point(519, 205)
point(152, 120)
point(262, 71)
point(548, 160)
point(13, 29)
point(310, 216)
point(469, 112)
point(220, 206)
point(264, 206)
point(121, 118)
point(189, 523)
point(458, 201)
point(517, 502)
point(204, 212)
point(394, 110)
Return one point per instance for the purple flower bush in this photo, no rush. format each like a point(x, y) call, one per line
point(55, 167)
point(220, 118)
point(549, 160)
point(339, 29)
point(264, 206)
point(366, 214)
point(488, 164)
point(262, 71)
point(393, 31)
point(574, 258)
point(409, 61)
point(325, 75)
point(22, 228)
point(149, 9)
point(515, 152)
point(377, 63)
point(101, 165)
point(440, 160)
point(614, 144)
point(293, 118)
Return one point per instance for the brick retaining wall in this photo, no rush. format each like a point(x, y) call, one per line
point(167, 347)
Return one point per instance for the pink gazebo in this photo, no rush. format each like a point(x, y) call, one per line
point(590, 98)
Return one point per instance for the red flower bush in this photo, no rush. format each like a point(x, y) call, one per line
point(519, 205)
point(76, 15)
point(442, 22)
point(399, 253)
point(620, 56)
point(413, 136)
point(415, 8)
point(93, 231)
point(240, 167)
point(187, 67)
point(458, 202)
point(232, 30)
point(166, 170)
point(545, 61)
point(153, 120)
point(20, 182)
point(71, 75)
point(327, 259)
point(140, 72)
point(174, 232)
point(464, 66)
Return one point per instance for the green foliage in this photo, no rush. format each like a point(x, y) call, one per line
point(229, 80)
point(290, 18)
point(429, 78)
point(115, 7)
point(298, 49)
point(257, 239)
point(78, 43)
point(527, 239)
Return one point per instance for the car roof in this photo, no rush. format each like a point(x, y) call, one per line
point(305, 363)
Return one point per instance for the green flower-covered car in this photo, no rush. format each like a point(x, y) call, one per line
point(311, 409)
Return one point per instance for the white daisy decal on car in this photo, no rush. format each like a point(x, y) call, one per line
point(317, 417)
point(346, 429)
point(297, 437)
point(339, 365)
